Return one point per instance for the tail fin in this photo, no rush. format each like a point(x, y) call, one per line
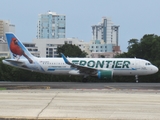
point(17, 49)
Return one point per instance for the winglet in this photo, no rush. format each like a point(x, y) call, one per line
point(65, 59)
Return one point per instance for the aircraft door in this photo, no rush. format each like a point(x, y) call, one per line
point(136, 63)
point(137, 66)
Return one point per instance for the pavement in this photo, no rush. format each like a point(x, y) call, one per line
point(80, 101)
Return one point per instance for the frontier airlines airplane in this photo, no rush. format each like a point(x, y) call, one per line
point(103, 68)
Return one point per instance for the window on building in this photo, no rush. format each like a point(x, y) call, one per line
point(3, 54)
point(96, 46)
point(26, 45)
point(35, 50)
point(32, 45)
point(50, 49)
point(50, 56)
point(70, 42)
point(29, 49)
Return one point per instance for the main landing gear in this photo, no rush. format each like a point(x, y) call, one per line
point(85, 79)
point(136, 78)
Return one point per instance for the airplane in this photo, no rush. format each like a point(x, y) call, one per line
point(103, 68)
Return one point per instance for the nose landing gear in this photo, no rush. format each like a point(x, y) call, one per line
point(136, 78)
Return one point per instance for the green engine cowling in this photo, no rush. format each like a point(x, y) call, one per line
point(105, 74)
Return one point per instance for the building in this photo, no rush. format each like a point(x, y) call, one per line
point(32, 48)
point(102, 31)
point(51, 25)
point(106, 31)
point(103, 55)
point(4, 51)
point(105, 39)
point(98, 46)
point(114, 35)
point(6, 26)
point(48, 47)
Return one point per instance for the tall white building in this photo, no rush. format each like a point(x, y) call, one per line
point(108, 33)
point(5, 26)
point(114, 35)
point(102, 31)
point(51, 25)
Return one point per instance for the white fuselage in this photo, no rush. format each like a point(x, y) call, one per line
point(119, 66)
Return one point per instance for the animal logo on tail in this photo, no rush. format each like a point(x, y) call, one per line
point(17, 50)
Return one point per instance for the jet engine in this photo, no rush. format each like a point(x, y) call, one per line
point(105, 74)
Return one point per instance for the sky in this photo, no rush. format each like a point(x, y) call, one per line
point(135, 17)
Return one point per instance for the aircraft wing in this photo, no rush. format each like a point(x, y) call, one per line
point(82, 69)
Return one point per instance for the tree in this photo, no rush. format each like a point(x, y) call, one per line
point(71, 51)
point(148, 48)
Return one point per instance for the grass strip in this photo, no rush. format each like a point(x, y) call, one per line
point(2, 88)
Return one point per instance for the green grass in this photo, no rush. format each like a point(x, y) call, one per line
point(1, 88)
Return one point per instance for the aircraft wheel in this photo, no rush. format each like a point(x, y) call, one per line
point(84, 80)
point(136, 78)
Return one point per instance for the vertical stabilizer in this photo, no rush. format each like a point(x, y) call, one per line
point(17, 49)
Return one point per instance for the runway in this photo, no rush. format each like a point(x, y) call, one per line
point(110, 101)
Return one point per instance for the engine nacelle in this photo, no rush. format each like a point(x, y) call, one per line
point(105, 74)
point(74, 72)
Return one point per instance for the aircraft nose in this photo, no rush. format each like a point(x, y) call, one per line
point(155, 69)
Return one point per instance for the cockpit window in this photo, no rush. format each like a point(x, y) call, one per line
point(147, 63)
